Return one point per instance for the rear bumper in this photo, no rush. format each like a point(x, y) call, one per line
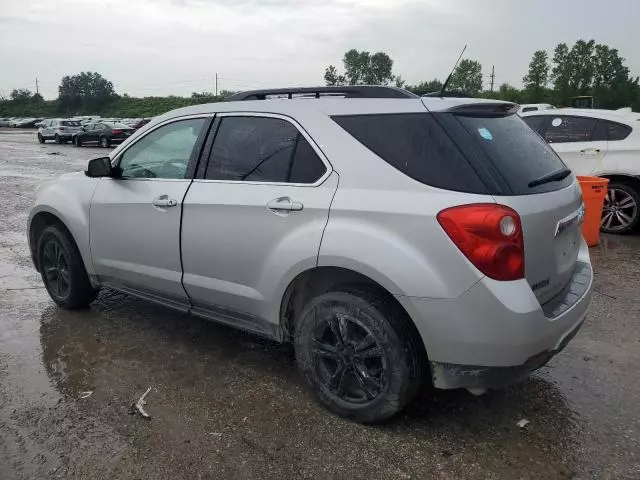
point(496, 333)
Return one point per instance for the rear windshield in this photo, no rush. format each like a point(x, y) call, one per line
point(69, 123)
point(516, 151)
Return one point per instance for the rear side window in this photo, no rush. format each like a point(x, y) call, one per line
point(529, 109)
point(516, 152)
point(417, 145)
point(564, 129)
point(262, 149)
point(69, 123)
point(617, 131)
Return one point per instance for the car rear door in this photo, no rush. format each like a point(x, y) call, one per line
point(253, 219)
point(135, 216)
point(550, 210)
point(572, 137)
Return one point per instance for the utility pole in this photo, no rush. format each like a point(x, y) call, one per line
point(37, 88)
point(216, 84)
point(493, 75)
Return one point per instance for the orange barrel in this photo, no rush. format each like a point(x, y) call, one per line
point(594, 191)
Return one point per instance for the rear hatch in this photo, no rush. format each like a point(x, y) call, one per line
point(524, 173)
point(70, 126)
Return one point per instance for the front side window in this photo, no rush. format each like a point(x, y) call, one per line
point(563, 129)
point(164, 152)
point(262, 149)
point(537, 122)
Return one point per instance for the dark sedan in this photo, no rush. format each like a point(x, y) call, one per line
point(104, 134)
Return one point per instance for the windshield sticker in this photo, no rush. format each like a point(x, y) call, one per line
point(485, 133)
point(556, 122)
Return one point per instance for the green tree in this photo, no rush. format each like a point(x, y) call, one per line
point(560, 75)
point(332, 77)
point(21, 95)
point(536, 79)
point(467, 77)
point(434, 85)
point(362, 68)
point(85, 92)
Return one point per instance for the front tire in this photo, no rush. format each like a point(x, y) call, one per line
point(355, 353)
point(62, 269)
point(40, 138)
point(104, 142)
point(621, 211)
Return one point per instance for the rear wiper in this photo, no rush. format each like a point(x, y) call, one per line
point(554, 176)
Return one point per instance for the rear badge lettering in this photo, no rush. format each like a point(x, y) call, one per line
point(539, 285)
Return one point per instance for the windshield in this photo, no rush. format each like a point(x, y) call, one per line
point(517, 152)
point(116, 125)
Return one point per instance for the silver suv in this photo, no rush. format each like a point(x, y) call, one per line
point(58, 129)
point(395, 240)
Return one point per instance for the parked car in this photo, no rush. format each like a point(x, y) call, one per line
point(137, 122)
point(59, 129)
point(104, 134)
point(449, 251)
point(604, 143)
point(534, 107)
point(5, 122)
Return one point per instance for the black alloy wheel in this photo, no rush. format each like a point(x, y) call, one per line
point(348, 359)
point(55, 269)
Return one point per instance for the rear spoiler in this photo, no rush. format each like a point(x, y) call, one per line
point(489, 109)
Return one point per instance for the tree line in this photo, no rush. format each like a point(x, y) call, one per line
point(585, 68)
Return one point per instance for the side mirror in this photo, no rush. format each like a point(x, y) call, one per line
point(99, 167)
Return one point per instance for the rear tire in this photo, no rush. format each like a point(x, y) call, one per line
point(62, 269)
point(623, 214)
point(105, 142)
point(77, 142)
point(355, 353)
point(57, 139)
point(40, 138)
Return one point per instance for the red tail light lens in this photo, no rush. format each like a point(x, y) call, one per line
point(490, 236)
point(116, 132)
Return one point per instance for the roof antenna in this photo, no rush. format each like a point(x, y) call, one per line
point(446, 82)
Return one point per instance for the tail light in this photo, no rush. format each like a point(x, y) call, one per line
point(116, 132)
point(490, 236)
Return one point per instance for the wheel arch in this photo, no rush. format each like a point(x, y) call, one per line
point(37, 225)
point(632, 180)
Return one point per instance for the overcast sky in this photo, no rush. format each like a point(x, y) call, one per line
point(159, 47)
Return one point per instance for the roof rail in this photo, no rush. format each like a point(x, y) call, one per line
point(449, 94)
point(347, 91)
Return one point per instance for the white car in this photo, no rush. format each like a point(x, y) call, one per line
point(534, 107)
point(603, 143)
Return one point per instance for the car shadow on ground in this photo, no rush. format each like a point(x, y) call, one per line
point(211, 373)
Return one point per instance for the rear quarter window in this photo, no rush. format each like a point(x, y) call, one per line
point(418, 146)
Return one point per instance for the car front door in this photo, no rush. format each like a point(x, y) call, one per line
point(572, 137)
point(135, 216)
point(254, 218)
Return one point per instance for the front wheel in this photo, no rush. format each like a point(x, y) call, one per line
point(62, 269)
point(621, 211)
point(355, 354)
point(104, 142)
point(40, 138)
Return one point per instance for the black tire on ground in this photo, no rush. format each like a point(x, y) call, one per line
point(623, 216)
point(40, 138)
point(358, 355)
point(57, 139)
point(105, 142)
point(62, 269)
point(77, 142)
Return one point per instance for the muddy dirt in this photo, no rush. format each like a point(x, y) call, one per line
point(229, 405)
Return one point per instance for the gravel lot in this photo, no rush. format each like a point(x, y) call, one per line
point(228, 405)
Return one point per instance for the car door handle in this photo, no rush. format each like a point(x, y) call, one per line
point(164, 201)
point(284, 204)
point(590, 151)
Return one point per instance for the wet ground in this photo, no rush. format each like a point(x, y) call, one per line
point(228, 405)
